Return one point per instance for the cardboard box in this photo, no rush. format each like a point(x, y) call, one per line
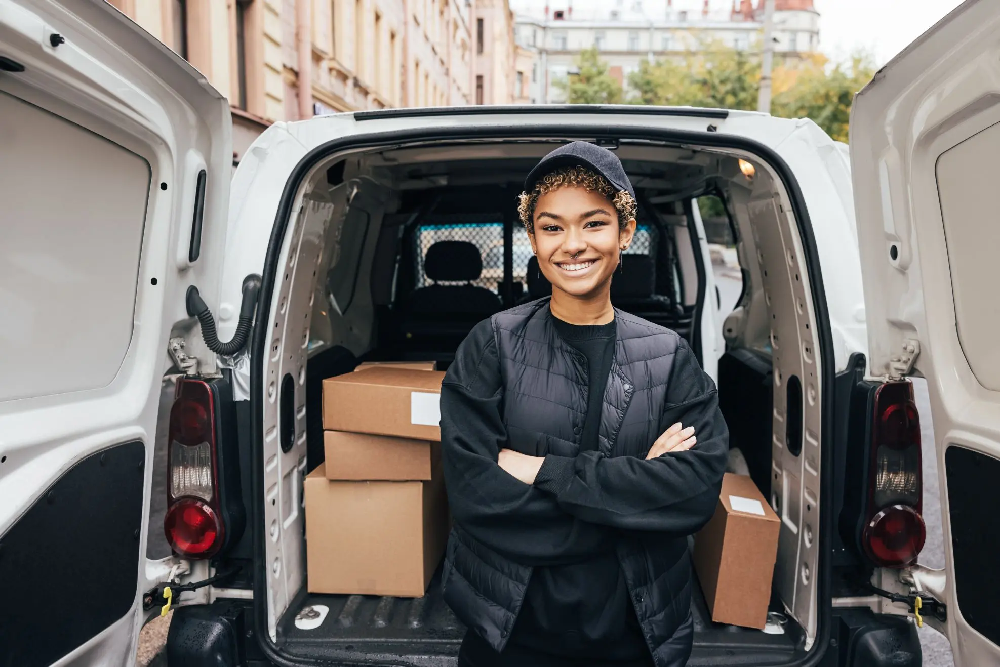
point(734, 554)
point(374, 538)
point(359, 456)
point(385, 401)
point(412, 365)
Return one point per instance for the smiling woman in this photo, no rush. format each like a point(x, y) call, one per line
point(569, 449)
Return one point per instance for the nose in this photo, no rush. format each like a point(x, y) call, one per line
point(574, 243)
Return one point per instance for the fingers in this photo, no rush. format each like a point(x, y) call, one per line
point(674, 439)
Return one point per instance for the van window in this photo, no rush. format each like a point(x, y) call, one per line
point(69, 259)
point(486, 235)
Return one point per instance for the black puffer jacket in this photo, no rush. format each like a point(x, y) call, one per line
point(527, 389)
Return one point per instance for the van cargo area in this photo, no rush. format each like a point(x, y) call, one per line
point(356, 279)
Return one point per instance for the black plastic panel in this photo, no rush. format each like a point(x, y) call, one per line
point(69, 565)
point(973, 504)
point(424, 632)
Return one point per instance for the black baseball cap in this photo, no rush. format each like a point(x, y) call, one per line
point(581, 154)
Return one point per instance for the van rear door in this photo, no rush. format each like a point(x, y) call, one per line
point(116, 159)
point(925, 136)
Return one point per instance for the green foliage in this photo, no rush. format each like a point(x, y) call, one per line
point(722, 77)
point(825, 94)
point(592, 84)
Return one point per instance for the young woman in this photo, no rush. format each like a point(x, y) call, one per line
point(581, 447)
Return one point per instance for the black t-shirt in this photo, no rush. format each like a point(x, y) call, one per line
point(580, 611)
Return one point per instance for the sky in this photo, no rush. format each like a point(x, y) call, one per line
point(883, 27)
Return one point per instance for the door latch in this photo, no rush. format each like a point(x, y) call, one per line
point(902, 365)
point(917, 604)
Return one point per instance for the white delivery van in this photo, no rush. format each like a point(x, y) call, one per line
point(128, 257)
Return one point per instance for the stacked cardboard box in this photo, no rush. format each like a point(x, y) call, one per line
point(376, 510)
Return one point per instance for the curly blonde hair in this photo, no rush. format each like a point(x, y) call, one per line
point(579, 177)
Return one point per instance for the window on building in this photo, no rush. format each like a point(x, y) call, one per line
point(379, 56)
point(599, 37)
point(665, 42)
point(615, 14)
point(242, 6)
point(793, 42)
point(479, 89)
point(534, 72)
point(359, 38)
point(480, 29)
point(428, 100)
point(741, 42)
point(633, 40)
point(812, 41)
point(559, 15)
point(534, 37)
point(393, 69)
point(416, 84)
point(559, 41)
point(179, 16)
point(334, 22)
point(682, 16)
point(519, 86)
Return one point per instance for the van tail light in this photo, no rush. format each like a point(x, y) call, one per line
point(894, 530)
point(193, 525)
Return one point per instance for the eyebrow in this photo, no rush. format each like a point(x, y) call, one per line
point(554, 216)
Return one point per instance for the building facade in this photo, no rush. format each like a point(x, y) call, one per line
point(354, 54)
point(626, 32)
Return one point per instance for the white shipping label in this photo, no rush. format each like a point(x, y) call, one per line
point(747, 505)
point(425, 408)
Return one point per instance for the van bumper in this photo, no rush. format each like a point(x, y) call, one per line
point(862, 638)
point(221, 635)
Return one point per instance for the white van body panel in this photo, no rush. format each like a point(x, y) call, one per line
point(96, 235)
point(817, 162)
point(925, 135)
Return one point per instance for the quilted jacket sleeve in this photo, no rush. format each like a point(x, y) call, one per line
point(676, 492)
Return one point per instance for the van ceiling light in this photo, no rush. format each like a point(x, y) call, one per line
point(747, 168)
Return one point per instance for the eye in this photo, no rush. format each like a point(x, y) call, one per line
point(551, 228)
point(595, 223)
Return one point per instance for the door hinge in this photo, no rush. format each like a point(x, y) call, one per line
point(184, 362)
point(901, 366)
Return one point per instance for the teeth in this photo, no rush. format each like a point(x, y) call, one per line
point(575, 267)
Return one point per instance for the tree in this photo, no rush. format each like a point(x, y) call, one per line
point(824, 93)
point(714, 76)
point(722, 77)
point(592, 84)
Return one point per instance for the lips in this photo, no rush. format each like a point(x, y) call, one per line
point(573, 267)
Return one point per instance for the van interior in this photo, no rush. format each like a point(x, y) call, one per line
point(394, 253)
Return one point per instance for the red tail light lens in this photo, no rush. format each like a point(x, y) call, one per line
point(193, 528)
point(193, 525)
point(895, 536)
point(894, 531)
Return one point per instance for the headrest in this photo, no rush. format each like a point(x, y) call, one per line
point(453, 260)
point(538, 284)
point(635, 279)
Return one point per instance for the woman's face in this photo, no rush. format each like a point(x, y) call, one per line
point(577, 240)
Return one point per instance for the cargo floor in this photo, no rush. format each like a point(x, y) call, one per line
point(424, 632)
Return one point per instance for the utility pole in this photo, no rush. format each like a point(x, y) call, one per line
point(764, 95)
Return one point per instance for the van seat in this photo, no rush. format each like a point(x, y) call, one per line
point(442, 314)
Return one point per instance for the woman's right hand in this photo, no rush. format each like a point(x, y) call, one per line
point(674, 439)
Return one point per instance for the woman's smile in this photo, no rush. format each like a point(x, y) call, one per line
point(576, 266)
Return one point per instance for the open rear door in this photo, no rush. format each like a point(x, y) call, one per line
point(925, 145)
point(115, 158)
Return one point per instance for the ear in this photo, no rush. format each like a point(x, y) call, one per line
point(626, 234)
point(531, 239)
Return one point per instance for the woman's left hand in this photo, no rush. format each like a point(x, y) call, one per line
point(522, 466)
